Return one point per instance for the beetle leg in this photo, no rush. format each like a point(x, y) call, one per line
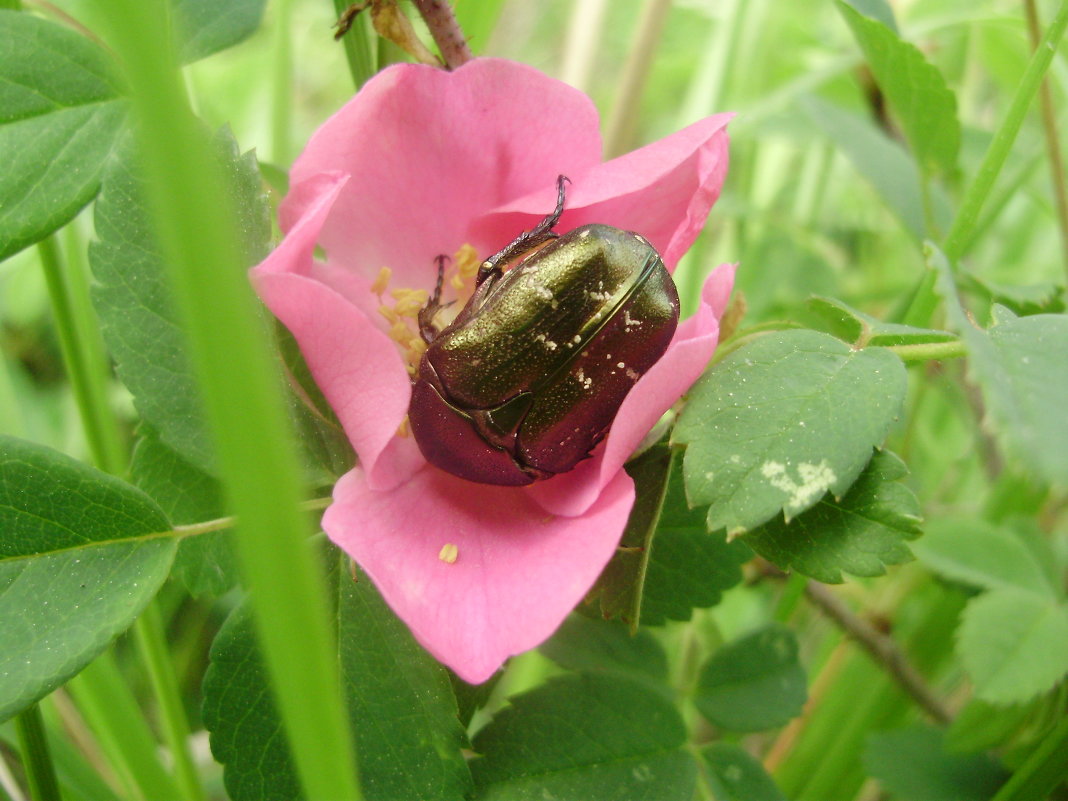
point(427, 330)
point(528, 240)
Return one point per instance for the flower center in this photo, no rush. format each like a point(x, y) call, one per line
point(401, 306)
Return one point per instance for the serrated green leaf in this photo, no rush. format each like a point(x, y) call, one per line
point(1021, 368)
point(859, 535)
point(913, 764)
point(205, 563)
point(1014, 644)
point(753, 683)
point(620, 586)
point(81, 555)
point(688, 567)
point(585, 736)
point(736, 775)
point(668, 563)
point(60, 115)
point(403, 713)
point(602, 646)
point(133, 300)
point(204, 27)
point(781, 421)
point(877, 157)
point(980, 553)
point(860, 329)
point(1042, 298)
point(917, 92)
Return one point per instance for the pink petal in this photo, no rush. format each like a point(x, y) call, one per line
point(655, 392)
point(356, 365)
point(518, 572)
point(430, 150)
point(662, 191)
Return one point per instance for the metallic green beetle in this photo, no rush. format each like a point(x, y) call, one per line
point(528, 377)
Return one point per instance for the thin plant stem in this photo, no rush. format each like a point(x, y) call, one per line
point(152, 645)
point(282, 83)
point(87, 384)
point(881, 647)
point(1049, 127)
point(994, 159)
point(442, 24)
point(208, 526)
point(36, 757)
point(620, 128)
point(256, 451)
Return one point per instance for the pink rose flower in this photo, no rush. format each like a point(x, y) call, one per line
point(424, 162)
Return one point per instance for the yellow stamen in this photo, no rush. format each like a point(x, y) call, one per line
point(382, 281)
point(399, 332)
point(409, 302)
point(388, 313)
point(404, 429)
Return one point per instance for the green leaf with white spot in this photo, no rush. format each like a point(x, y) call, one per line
point(60, 116)
point(859, 535)
point(204, 27)
point(81, 555)
point(400, 703)
point(753, 683)
point(916, 90)
point(783, 420)
point(1014, 644)
point(585, 736)
point(736, 775)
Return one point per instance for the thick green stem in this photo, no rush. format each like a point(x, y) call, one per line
point(930, 351)
point(197, 232)
point(36, 758)
point(994, 159)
